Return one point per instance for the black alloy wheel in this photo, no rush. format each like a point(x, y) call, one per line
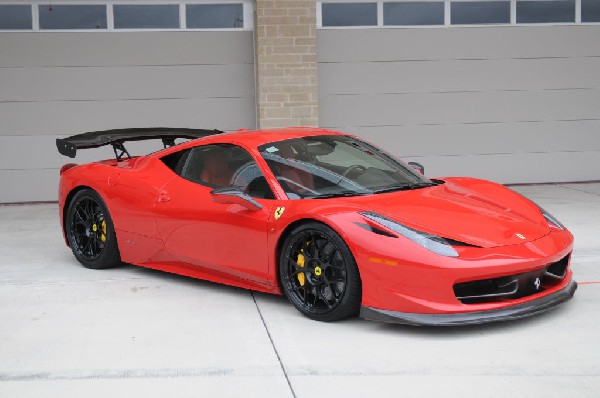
point(90, 231)
point(318, 273)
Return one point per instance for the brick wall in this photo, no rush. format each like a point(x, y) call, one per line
point(286, 63)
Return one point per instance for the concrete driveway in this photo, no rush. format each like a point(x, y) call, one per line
point(66, 331)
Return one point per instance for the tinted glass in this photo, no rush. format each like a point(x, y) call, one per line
point(590, 10)
point(164, 16)
point(72, 16)
point(545, 11)
point(15, 17)
point(483, 12)
point(349, 14)
point(211, 16)
point(413, 13)
point(219, 166)
point(328, 166)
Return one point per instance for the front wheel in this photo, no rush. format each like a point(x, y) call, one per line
point(318, 273)
point(90, 231)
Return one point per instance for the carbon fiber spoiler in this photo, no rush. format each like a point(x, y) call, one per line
point(94, 139)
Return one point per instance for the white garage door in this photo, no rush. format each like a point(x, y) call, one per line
point(513, 99)
point(83, 69)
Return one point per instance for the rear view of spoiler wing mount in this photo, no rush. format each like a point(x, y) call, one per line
point(94, 139)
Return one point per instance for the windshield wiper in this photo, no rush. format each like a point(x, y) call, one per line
point(405, 187)
point(338, 195)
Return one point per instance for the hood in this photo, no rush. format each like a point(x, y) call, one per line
point(498, 217)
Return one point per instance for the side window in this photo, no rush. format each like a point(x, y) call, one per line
point(220, 165)
point(175, 161)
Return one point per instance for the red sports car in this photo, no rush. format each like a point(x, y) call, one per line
point(336, 224)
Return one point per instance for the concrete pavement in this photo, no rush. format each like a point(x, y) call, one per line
point(69, 331)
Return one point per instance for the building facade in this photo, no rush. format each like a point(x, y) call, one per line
point(507, 90)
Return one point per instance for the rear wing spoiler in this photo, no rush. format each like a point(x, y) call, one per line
point(94, 139)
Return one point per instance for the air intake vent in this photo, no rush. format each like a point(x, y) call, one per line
point(559, 268)
point(513, 286)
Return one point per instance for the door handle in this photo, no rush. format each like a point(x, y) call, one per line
point(163, 196)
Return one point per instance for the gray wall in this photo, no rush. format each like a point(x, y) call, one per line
point(57, 84)
point(512, 104)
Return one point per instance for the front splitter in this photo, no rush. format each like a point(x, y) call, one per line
point(523, 310)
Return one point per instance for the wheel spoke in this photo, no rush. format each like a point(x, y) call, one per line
point(337, 261)
point(322, 298)
point(314, 240)
point(328, 251)
point(87, 245)
point(86, 209)
point(295, 264)
point(98, 249)
point(93, 246)
point(77, 215)
point(296, 286)
point(295, 273)
point(306, 247)
point(304, 298)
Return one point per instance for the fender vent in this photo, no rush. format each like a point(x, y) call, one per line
point(375, 230)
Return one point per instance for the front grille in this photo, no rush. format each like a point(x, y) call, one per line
point(513, 286)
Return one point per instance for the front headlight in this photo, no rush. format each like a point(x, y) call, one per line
point(436, 244)
point(551, 219)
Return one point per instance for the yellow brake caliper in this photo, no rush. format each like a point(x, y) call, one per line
point(103, 230)
point(300, 262)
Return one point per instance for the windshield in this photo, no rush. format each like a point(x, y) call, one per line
point(336, 165)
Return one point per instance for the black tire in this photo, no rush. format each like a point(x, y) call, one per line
point(333, 291)
point(90, 231)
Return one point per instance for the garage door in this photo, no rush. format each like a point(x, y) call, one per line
point(514, 103)
point(69, 73)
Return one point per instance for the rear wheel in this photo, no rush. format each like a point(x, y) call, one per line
point(318, 273)
point(90, 231)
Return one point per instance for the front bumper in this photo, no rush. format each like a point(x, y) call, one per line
point(518, 311)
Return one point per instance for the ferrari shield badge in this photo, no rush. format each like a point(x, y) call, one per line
point(279, 211)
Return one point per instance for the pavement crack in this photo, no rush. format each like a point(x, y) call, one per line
point(579, 190)
point(273, 345)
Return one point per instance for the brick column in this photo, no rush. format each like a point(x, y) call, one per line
point(286, 63)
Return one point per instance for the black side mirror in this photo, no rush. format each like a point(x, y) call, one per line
point(417, 166)
point(229, 195)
